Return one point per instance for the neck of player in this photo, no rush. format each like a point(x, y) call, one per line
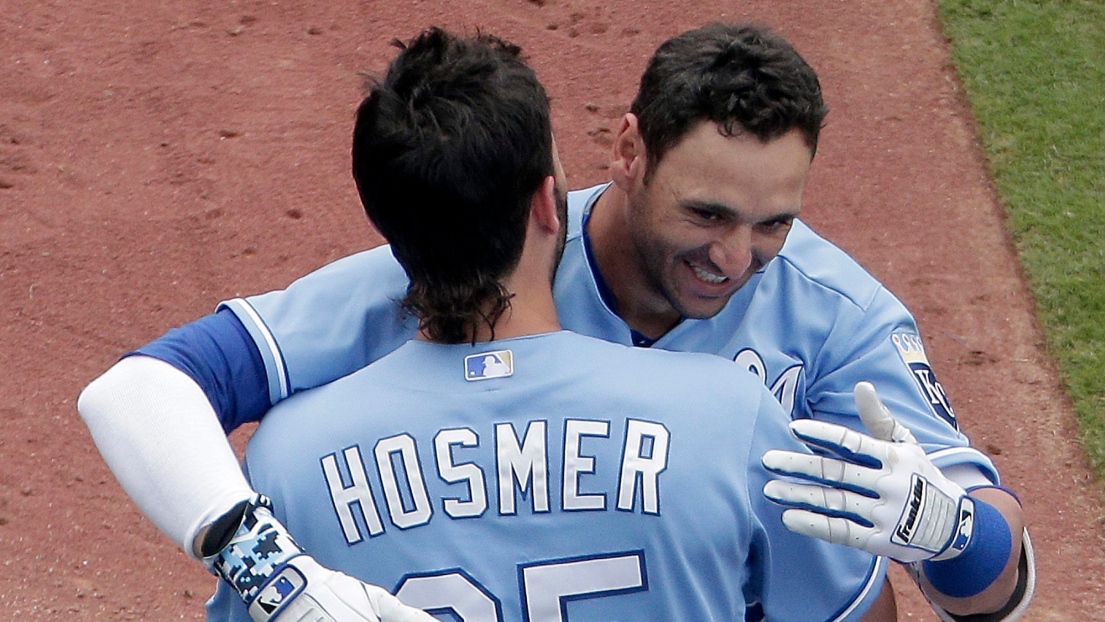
point(532, 310)
point(638, 303)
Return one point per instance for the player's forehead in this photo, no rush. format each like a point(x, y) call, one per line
point(739, 175)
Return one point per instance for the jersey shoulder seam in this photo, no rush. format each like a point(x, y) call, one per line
point(863, 304)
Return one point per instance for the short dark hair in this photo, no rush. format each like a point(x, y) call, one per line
point(742, 77)
point(448, 149)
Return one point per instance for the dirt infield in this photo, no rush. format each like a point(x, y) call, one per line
point(158, 157)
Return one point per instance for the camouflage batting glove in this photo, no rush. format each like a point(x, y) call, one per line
point(280, 583)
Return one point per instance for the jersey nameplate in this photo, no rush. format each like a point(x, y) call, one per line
point(519, 469)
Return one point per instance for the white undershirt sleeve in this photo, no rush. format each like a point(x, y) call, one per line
point(162, 439)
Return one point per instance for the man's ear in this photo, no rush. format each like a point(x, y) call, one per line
point(629, 162)
point(543, 212)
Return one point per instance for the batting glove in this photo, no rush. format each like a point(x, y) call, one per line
point(878, 493)
point(280, 583)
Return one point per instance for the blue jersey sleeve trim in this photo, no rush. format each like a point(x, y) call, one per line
point(944, 458)
point(219, 354)
point(876, 582)
point(276, 370)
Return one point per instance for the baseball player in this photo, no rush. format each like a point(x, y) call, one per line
point(497, 467)
point(695, 246)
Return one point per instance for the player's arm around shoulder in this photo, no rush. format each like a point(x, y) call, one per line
point(162, 440)
point(328, 323)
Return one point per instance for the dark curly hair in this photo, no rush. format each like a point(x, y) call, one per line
point(448, 149)
point(742, 77)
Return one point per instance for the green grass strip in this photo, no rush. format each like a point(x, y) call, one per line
point(1034, 72)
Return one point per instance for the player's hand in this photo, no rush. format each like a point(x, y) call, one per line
point(304, 591)
point(280, 583)
point(878, 493)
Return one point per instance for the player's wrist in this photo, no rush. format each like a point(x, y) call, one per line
point(258, 548)
point(981, 561)
point(215, 536)
point(288, 580)
point(1012, 494)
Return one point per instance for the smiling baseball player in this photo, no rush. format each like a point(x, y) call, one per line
point(695, 246)
point(497, 467)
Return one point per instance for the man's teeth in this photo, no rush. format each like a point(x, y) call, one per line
point(709, 277)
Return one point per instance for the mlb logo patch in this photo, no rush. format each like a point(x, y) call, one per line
point(912, 352)
point(966, 525)
point(287, 584)
point(487, 365)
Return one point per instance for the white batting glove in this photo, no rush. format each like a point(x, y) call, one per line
point(881, 494)
point(304, 591)
point(280, 583)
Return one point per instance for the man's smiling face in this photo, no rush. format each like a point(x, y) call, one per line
point(714, 211)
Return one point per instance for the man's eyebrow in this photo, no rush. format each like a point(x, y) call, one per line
point(726, 210)
point(711, 207)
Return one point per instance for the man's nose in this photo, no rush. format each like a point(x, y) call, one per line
point(733, 251)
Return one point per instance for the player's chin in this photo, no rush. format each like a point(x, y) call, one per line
point(700, 310)
point(700, 301)
point(699, 306)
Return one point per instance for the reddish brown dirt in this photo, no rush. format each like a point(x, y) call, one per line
point(157, 157)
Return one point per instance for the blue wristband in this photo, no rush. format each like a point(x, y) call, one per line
point(981, 562)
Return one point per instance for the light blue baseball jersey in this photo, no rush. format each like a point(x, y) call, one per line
point(550, 478)
point(811, 325)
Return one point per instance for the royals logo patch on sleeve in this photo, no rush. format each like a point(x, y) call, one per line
point(487, 365)
point(913, 355)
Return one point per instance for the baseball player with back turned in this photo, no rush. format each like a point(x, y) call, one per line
point(695, 246)
point(497, 467)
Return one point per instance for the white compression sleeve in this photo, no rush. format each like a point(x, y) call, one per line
point(162, 439)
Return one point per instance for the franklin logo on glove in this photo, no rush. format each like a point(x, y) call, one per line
point(911, 532)
point(905, 529)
